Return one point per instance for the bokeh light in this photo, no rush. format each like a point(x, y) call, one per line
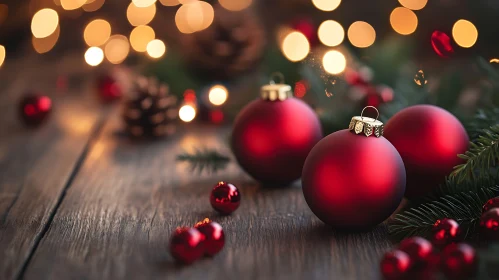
point(44, 23)
point(143, 3)
point(117, 49)
point(94, 56)
point(156, 48)
point(169, 2)
point(464, 33)
point(414, 4)
point(140, 37)
point(403, 21)
point(97, 32)
point(361, 34)
point(194, 16)
point(494, 60)
point(235, 5)
point(218, 95)
point(140, 15)
point(187, 113)
point(331, 33)
point(334, 62)
point(2, 55)
point(92, 6)
point(72, 4)
point(43, 45)
point(295, 46)
point(326, 5)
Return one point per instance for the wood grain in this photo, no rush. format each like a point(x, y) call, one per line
point(118, 215)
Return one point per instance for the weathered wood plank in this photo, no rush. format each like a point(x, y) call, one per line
point(116, 220)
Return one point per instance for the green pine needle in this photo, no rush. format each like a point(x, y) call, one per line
point(204, 159)
point(482, 120)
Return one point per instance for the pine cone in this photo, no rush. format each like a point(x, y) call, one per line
point(232, 45)
point(150, 111)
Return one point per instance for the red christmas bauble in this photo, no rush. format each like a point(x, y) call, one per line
point(225, 198)
point(445, 231)
point(271, 138)
point(418, 248)
point(109, 89)
point(35, 109)
point(429, 139)
point(490, 204)
point(395, 265)
point(345, 172)
point(186, 245)
point(459, 261)
point(214, 238)
point(489, 223)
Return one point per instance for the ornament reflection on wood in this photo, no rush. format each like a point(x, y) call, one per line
point(34, 109)
point(150, 111)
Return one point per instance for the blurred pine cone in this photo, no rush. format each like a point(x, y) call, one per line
point(150, 111)
point(232, 45)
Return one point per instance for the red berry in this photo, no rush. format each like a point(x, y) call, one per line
point(445, 231)
point(214, 238)
point(35, 109)
point(459, 261)
point(489, 223)
point(418, 248)
point(225, 198)
point(186, 245)
point(492, 203)
point(395, 265)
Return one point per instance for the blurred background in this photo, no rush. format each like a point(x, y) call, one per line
point(214, 55)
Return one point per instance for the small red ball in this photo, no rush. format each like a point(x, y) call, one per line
point(186, 245)
point(489, 223)
point(109, 89)
point(459, 261)
point(395, 265)
point(214, 238)
point(428, 139)
point(490, 204)
point(225, 198)
point(445, 231)
point(418, 248)
point(35, 109)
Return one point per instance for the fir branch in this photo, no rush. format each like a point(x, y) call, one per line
point(464, 207)
point(483, 119)
point(204, 159)
point(481, 156)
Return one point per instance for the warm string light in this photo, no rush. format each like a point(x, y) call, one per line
point(361, 34)
point(334, 62)
point(156, 48)
point(403, 21)
point(326, 5)
point(72, 4)
point(97, 32)
point(295, 46)
point(2, 55)
point(44, 45)
point(117, 49)
point(414, 4)
point(194, 16)
point(92, 6)
point(94, 56)
point(44, 23)
point(331, 33)
point(169, 2)
point(218, 95)
point(464, 33)
point(143, 3)
point(140, 15)
point(235, 5)
point(140, 37)
point(187, 113)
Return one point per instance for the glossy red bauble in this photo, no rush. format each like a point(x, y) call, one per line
point(459, 261)
point(445, 231)
point(395, 265)
point(353, 182)
point(489, 224)
point(271, 139)
point(34, 109)
point(418, 248)
point(186, 245)
point(109, 89)
point(441, 43)
point(429, 139)
point(214, 238)
point(490, 204)
point(225, 198)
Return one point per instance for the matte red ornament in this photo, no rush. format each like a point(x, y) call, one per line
point(109, 89)
point(459, 261)
point(272, 136)
point(345, 171)
point(429, 139)
point(214, 238)
point(225, 198)
point(489, 224)
point(418, 248)
point(445, 231)
point(186, 245)
point(490, 204)
point(395, 265)
point(441, 43)
point(34, 109)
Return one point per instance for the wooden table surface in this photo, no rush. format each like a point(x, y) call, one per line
point(78, 200)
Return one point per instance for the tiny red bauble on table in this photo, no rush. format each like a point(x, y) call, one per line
point(445, 231)
point(459, 261)
point(491, 204)
point(273, 135)
point(395, 265)
point(35, 109)
point(214, 238)
point(489, 223)
point(225, 198)
point(186, 245)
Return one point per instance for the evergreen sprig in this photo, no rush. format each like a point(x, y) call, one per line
point(205, 159)
point(481, 156)
point(483, 119)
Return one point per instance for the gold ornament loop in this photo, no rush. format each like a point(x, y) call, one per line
point(276, 75)
point(362, 113)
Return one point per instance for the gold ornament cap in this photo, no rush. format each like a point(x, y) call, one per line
point(365, 125)
point(276, 91)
